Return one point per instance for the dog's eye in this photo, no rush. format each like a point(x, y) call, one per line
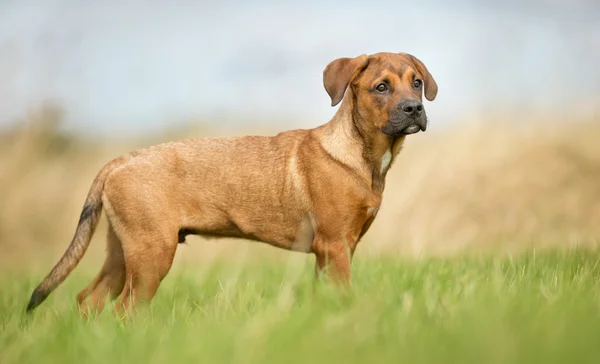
point(382, 87)
point(417, 83)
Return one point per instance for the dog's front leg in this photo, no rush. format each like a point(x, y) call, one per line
point(334, 258)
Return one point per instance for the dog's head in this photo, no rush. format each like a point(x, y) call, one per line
point(387, 89)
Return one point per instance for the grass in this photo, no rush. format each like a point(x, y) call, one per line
point(524, 308)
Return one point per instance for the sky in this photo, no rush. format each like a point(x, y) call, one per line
point(134, 66)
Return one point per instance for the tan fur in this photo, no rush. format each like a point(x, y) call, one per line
point(315, 191)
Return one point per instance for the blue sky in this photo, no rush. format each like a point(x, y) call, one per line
point(121, 66)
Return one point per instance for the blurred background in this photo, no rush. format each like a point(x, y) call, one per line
point(511, 159)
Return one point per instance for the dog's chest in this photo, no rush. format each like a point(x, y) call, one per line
point(386, 160)
point(372, 212)
point(390, 154)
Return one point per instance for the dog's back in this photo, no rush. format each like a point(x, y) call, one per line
point(211, 192)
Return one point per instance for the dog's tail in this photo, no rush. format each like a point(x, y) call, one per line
point(92, 210)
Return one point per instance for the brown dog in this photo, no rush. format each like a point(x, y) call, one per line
point(315, 191)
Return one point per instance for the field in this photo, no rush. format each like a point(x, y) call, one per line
point(526, 309)
point(485, 250)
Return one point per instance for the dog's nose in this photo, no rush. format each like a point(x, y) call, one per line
point(412, 108)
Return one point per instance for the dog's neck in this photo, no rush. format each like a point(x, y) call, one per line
point(357, 143)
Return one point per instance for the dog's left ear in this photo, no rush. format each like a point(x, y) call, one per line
point(338, 74)
point(431, 87)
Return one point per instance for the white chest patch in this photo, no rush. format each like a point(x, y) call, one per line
point(372, 211)
point(385, 161)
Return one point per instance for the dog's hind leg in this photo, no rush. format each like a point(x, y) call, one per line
point(148, 258)
point(111, 279)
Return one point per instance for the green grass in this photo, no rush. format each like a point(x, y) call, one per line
point(529, 308)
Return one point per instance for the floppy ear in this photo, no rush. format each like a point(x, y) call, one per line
point(431, 87)
point(338, 74)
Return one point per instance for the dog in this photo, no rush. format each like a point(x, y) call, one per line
point(308, 190)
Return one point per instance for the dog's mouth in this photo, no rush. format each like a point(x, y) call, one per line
point(393, 130)
point(411, 129)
